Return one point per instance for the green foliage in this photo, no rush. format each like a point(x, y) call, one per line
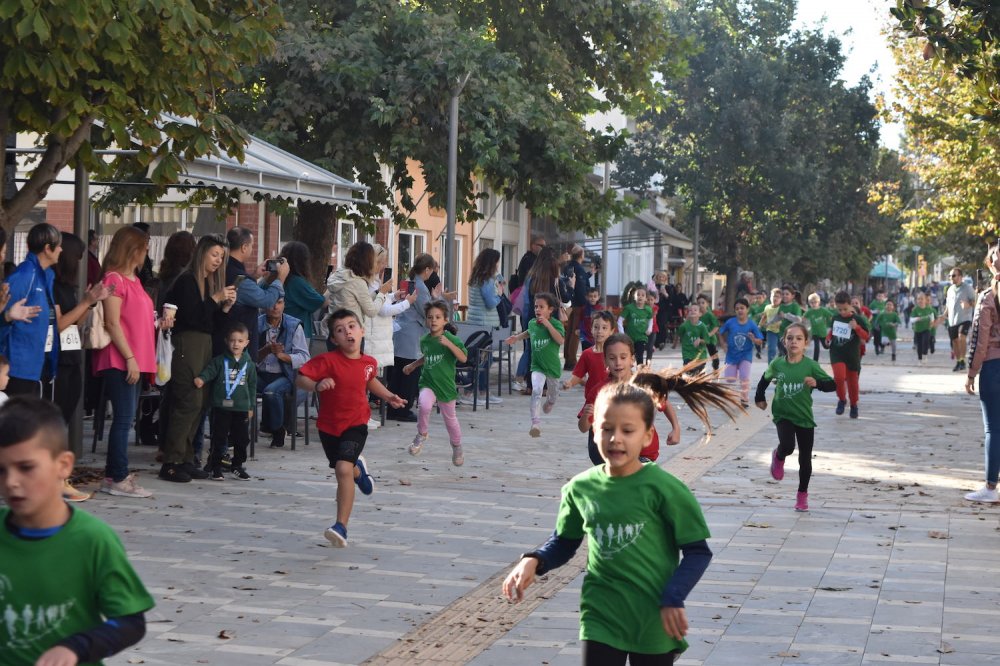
point(764, 142)
point(67, 66)
point(363, 88)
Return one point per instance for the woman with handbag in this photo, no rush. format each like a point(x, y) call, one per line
point(983, 355)
point(543, 277)
point(129, 319)
point(485, 295)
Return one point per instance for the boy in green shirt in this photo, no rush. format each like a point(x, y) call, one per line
point(234, 394)
point(546, 335)
point(636, 321)
point(818, 321)
point(757, 303)
point(694, 337)
point(711, 322)
point(924, 319)
point(886, 323)
point(796, 376)
point(877, 306)
point(70, 594)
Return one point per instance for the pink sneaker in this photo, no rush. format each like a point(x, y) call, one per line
point(777, 466)
point(801, 501)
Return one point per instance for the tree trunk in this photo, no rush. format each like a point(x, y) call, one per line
point(316, 226)
point(732, 279)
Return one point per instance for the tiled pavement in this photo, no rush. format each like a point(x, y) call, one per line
point(242, 574)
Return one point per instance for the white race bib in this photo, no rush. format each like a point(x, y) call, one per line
point(49, 337)
point(841, 329)
point(69, 339)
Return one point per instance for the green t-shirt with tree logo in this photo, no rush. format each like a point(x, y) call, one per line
point(545, 350)
point(711, 322)
point(788, 308)
point(438, 370)
point(887, 323)
point(637, 321)
point(792, 397)
point(819, 321)
point(922, 318)
point(688, 333)
point(635, 526)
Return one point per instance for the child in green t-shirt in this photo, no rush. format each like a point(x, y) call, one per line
point(876, 307)
point(694, 338)
point(546, 334)
point(849, 331)
point(636, 321)
point(818, 319)
point(924, 319)
point(70, 594)
point(711, 322)
point(757, 303)
point(886, 322)
point(638, 520)
point(440, 350)
point(796, 377)
point(770, 324)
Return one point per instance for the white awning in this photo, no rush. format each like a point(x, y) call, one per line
point(674, 237)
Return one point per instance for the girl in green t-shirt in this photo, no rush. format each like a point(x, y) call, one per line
point(711, 322)
point(886, 322)
point(819, 319)
point(638, 520)
point(440, 351)
point(924, 318)
point(796, 377)
point(636, 321)
point(546, 334)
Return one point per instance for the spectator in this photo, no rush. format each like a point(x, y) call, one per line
point(30, 342)
point(145, 271)
point(251, 297)
point(542, 278)
point(128, 317)
point(93, 258)
point(485, 289)
point(348, 287)
point(581, 286)
point(406, 340)
point(283, 350)
point(660, 296)
point(199, 293)
point(18, 311)
point(527, 261)
point(301, 298)
point(959, 304)
point(177, 255)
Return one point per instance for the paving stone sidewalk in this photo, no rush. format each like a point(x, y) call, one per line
point(889, 565)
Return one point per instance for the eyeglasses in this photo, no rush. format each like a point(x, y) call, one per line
point(955, 275)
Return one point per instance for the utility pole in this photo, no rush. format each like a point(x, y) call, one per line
point(451, 278)
point(697, 248)
point(604, 238)
point(81, 225)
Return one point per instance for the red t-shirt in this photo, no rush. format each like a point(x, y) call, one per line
point(591, 364)
point(346, 404)
point(653, 450)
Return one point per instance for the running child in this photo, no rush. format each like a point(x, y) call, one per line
point(791, 312)
point(694, 337)
point(546, 334)
point(757, 303)
point(636, 321)
point(592, 307)
point(795, 376)
point(888, 321)
point(712, 324)
point(924, 319)
point(849, 330)
point(233, 376)
point(818, 320)
point(342, 378)
point(738, 336)
point(70, 594)
point(639, 520)
point(591, 364)
point(876, 307)
point(770, 323)
point(440, 351)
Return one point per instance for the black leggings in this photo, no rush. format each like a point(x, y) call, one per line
point(922, 342)
point(713, 353)
point(788, 433)
point(600, 654)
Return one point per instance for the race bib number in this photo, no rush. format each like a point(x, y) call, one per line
point(49, 337)
point(841, 330)
point(69, 339)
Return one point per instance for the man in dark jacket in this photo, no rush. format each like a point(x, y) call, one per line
point(527, 261)
point(574, 267)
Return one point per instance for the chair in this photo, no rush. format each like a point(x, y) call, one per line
point(478, 349)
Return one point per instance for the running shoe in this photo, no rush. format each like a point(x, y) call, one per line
point(336, 534)
point(364, 481)
point(777, 466)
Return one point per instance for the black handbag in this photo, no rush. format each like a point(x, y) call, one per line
point(504, 309)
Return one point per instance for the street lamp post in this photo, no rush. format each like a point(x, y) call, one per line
point(451, 279)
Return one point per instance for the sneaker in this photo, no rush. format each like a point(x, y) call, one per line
point(277, 439)
point(777, 466)
point(547, 406)
point(495, 400)
point(536, 429)
point(840, 406)
point(457, 458)
point(374, 424)
point(364, 481)
point(465, 399)
point(194, 472)
point(957, 368)
point(336, 534)
point(854, 411)
point(216, 474)
point(417, 444)
point(801, 501)
point(240, 474)
point(227, 461)
point(961, 365)
point(127, 487)
point(71, 494)
point(175, 473)
point(893, 358)
point(984, 494)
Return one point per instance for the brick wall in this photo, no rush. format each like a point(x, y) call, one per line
point(60, 215)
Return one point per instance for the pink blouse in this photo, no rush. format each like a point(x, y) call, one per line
point(137, 320)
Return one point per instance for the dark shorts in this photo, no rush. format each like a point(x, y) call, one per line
point(346, 446)
point(960, 329)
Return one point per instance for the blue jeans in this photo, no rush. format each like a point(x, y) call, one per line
point(124, 399)
point(772, 345)
point(989, 400)
point(524, 364)
point(274, 388)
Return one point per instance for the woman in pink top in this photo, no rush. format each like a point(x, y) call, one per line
point(130, 321)
point(984, 360)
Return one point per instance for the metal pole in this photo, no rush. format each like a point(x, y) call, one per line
point(697, 248)
point(604, 238)
point(81, 224)
point(451, 279)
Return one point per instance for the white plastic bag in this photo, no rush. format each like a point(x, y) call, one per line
point(164, 356)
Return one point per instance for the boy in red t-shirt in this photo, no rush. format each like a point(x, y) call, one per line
point(342, 379)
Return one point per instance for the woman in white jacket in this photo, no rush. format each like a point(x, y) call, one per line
point(379, 329)
point(347, 287)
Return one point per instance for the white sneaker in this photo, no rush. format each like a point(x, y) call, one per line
point(495, 400)
point(535, 430)
point(417, 444)
point(984, 494)
point(127, 487)
point(465, 399)
point(374, 424)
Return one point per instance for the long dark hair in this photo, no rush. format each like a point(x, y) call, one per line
point(360, 259)
point(177, 255)
point(545, 271)
point(699, 392)
point(67, 268)
point(484, 267)
point(297, 255)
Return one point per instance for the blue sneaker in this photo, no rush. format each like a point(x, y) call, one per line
point(365, 482)
point(336, 534)
point(840, 406)
point(854, 411)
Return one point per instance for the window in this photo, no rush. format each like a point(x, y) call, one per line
point(508, 260)
point(347, 235)
point(411, 243)
point(485, 244)
point(511, 210)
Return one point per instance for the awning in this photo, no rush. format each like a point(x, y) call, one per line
point(886, 269)
point(675, 238)
point(270, 171)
